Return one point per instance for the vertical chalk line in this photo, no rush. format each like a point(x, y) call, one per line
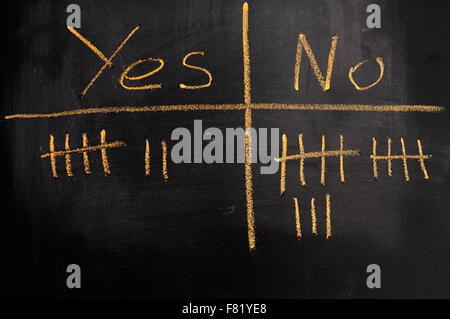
point(248, 125)
point(67, 156)
point(164, 160)
point(322, 166)
point(374, 156)
point(405, 163)
point(313, 216)
point(302, 160)
point(283, 164)
point(298, 61)
point(87, 167)
point(147, 157)
point(52, 156)
point(341, 159)
point(389, 155)
point(297, 219)
point(103, 151)
point(328, 201)
point(246, 54)
point(422, 163)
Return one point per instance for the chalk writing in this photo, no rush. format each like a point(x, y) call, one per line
point(313, 217)
point(147, 157)
point(103, 146)
point(404, 157)
point(164, 160)
point(302, 156)
point(247, 106)
point(303, 44)
point(297, 219)
point(100, 54)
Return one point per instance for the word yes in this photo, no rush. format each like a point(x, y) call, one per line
point(125, 75)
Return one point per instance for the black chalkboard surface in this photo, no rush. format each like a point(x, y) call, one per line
point(141, 225)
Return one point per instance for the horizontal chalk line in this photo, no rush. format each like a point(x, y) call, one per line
point(85, 149)
point(319, 154)
point(233, 107)
point(377, 157)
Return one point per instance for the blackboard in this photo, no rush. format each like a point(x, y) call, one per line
point(141, 236)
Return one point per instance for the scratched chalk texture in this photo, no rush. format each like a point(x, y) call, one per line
point(94, 188)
